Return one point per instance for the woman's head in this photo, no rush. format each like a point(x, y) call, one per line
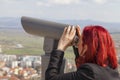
point(96, 46)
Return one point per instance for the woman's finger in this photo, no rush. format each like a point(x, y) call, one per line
point(65, 30)
point(68, 29)
point(78, 31)
point(73, 30)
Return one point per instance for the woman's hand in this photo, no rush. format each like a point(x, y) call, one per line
point(66, 38)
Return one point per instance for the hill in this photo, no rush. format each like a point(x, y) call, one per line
point(15, 23)
point(111, 27)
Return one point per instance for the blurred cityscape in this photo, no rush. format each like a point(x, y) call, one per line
point(24, 67)
point(20, 67)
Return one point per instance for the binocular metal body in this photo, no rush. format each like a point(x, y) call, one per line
point(44, 28)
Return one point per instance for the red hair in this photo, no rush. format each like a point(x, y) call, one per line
point(100, 49)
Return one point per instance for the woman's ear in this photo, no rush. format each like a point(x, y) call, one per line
point(83, 50)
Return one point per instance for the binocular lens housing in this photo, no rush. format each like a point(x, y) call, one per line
point(75, 41)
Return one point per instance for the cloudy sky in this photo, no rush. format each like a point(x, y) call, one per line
point(100, 10)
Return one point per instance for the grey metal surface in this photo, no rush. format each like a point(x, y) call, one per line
point(42, 27)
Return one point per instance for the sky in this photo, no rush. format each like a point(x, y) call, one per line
point(98, 10)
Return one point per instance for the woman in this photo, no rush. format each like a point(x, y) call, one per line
point(95, 55)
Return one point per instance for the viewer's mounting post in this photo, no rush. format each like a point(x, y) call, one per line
point(51, 31)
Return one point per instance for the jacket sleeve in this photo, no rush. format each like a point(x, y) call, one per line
point(53, 70)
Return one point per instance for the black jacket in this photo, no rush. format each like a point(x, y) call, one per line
point(87, 71)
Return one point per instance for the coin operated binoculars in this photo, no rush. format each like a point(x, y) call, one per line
point(51, 31)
